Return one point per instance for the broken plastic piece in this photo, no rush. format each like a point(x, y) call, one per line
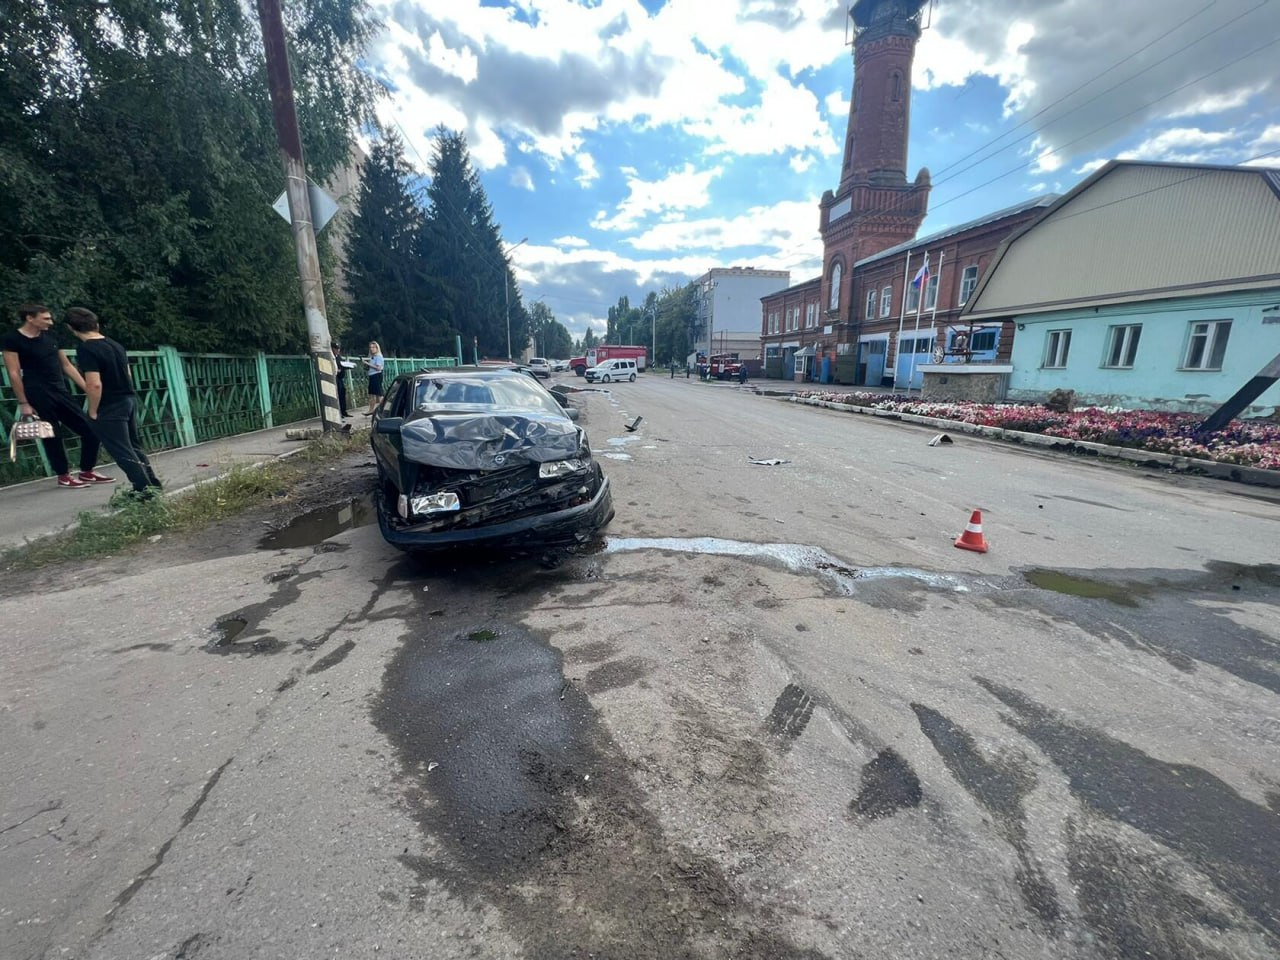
point(940, 438)
point(633, 424)
point(770, 462)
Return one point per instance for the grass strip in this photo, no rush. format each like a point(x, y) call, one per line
point(127, 522)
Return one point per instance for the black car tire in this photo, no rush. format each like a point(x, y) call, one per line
point(605, 378)
point(632, 378)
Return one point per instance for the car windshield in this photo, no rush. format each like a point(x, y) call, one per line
point(518, 392)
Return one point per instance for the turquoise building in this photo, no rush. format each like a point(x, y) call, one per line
point(1148, 286)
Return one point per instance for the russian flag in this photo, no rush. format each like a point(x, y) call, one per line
point(922, 275)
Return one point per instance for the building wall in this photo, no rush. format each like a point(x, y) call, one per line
point(801, 302)
point(971, 248)
point(1156, 380)
point(733, 306)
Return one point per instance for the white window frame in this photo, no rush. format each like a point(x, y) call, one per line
point(1057, 348)
point(810, 315)
point(913, 298)
point(773, 321)
point(1122, 346)
point(1216, 334)
point(968, 283)
point(872, 296)
point(931, 294)
point(837, 274)
point(886, 300)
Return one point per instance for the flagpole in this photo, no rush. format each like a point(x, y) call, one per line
point(924, 289)
point(933, 317)
point(902, 317)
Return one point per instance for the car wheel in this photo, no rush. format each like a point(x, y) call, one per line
point(632, 378)
point(605, 378)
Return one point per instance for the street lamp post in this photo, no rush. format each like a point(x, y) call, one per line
point(506, 285)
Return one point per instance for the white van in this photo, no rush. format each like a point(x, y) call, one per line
point(612, 370)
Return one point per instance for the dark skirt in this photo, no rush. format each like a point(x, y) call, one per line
point(375, 384)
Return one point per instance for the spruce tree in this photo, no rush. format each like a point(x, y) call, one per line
point(463, 251)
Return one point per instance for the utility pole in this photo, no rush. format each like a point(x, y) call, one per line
point(285, 115)
point(506, 285)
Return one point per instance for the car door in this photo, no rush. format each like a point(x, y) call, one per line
point(387, 446)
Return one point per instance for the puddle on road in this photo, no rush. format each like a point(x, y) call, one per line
point(230, 628)
point(228, 641)
point(617, 456)
point(316, 526)
point(795, 557)
point(1124, 594)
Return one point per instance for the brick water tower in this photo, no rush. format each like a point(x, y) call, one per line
point(875, 207)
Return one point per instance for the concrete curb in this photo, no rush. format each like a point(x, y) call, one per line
point(1144, 458)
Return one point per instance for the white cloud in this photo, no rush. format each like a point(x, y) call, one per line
point(588, 172)
point(1085, 74)
point(570, 241)
point(520, 177)
point(1269, 137)
point(1087, 168)
point(683, 189)
point(1218, 103)
point(1188, 145)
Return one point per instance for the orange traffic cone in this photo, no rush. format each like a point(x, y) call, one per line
point(972, 538)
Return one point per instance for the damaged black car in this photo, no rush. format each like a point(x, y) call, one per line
point(472, 456)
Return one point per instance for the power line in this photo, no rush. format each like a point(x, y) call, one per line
point(1109, 123)
point(1094, 98)
point(1114, 66)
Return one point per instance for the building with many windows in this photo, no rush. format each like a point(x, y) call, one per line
point(844, 325)
point(729, 309)
point(1149, 285)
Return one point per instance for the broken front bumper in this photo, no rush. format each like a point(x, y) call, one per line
point(570, 525)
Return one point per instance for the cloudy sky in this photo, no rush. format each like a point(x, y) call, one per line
point(638, 143)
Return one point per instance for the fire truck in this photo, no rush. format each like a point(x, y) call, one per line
point(723, 366)
point(606, 351)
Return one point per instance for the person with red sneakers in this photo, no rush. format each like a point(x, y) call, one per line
point(38, 373)
point(112, 401)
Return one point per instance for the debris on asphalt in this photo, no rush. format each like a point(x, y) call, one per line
point(631, 427)
point(940, 438)
point(770, 462)
point(432, 765)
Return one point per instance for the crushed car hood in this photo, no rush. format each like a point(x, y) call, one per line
point(491, 440)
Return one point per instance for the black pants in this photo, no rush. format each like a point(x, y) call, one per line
point(62, 410)
point(342, 394)
point(117, 427)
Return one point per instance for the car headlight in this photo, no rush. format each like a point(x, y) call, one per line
point(436, 503)
point(560, 468)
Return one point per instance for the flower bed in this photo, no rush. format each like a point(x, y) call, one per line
point(1248, 443)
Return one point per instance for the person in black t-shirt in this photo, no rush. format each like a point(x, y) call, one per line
point(112, 400)
point(38, 373)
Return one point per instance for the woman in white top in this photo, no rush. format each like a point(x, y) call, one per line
point(374, 364)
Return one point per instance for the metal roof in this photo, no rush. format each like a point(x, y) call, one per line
point(1137, 230)
point(1044, 200)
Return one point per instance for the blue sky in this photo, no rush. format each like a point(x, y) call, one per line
point(638, 143)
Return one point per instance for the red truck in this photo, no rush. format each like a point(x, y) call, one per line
point(605, 352)
point(723, 366)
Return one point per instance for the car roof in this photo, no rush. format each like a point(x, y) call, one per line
point(484, 373)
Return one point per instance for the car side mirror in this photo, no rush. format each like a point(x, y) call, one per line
point(389, 425)
point(571, 413)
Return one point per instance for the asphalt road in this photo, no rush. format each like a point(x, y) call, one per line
point(776, 714)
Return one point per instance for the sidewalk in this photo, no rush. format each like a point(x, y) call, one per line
point(40, 507)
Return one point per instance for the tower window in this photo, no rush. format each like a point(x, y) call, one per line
point(896, 85)
point(836, 273)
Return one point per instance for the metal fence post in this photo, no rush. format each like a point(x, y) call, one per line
point(179, 398)
point(264, 389)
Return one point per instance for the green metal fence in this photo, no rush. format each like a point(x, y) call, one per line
point(188, 398)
